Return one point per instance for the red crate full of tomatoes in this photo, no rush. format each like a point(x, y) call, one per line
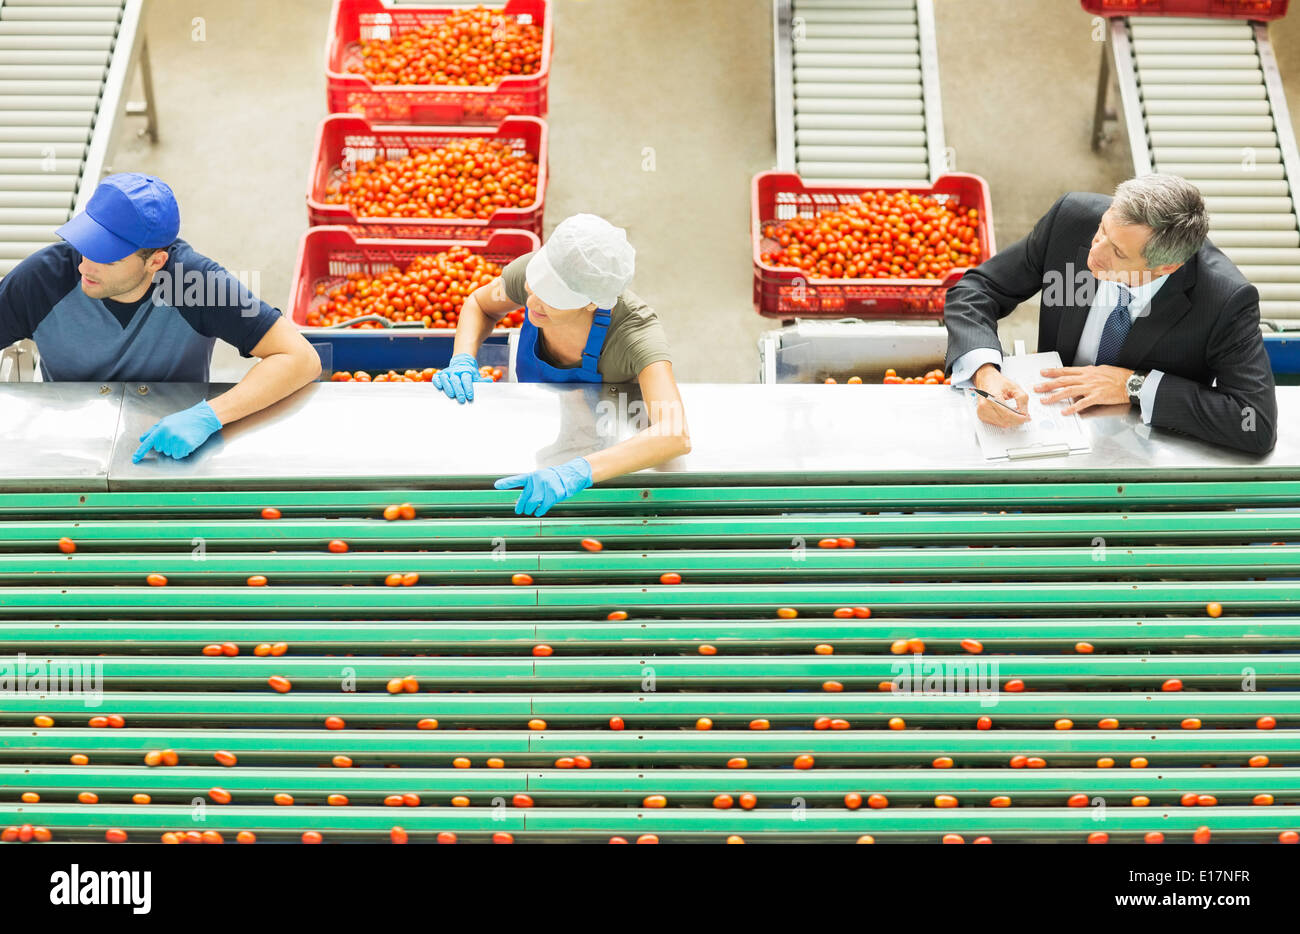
point(1218, 9)
point(438, 65)
point(339, 277)
point(429, 183)
point(836, 250)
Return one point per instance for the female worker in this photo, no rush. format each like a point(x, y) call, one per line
point(581, 327)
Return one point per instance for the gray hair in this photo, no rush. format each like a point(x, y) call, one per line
point(1174, 210)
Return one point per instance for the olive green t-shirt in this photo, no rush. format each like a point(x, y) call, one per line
point(635, 338)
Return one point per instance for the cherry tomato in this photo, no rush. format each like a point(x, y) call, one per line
point(342, 762)
point(270, 512)
point(311, 836)
point(738, 762)
point(334, 723)
point(592, 544)
point(786, 612)
point(543, 650)
point(282, 799)
point(428, 723)
point(670, 577)
point(115, 835)
point(67, 545)
point(803, 762)
point(877, 801)
point(617, 615)
point(521, 580)
point(1214, 609)
point(280, 683)
point(1173, 684)
point(338, 546)
point(708, 650)
point(220, 795)
point(974, 646)
point(225, 758)
point(156, 580)
point(616, 723)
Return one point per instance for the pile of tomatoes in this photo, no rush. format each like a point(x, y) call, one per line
point(468, 177)
point(431, 289)
point(883, 236)
point(468, 47)
point(494, 373)
point(933, 378)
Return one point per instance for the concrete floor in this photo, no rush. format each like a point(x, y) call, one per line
point(660, 112)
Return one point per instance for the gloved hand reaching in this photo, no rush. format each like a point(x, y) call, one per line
point(548, 486)
point(180, 433)
point(458, 377)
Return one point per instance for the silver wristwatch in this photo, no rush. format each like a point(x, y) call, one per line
point(1133, 386)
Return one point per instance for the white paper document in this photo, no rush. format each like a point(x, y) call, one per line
point(1048, 433)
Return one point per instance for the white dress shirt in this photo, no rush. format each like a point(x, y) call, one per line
point(1103, 303)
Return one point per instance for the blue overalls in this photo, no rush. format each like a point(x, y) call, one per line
point(529, 368)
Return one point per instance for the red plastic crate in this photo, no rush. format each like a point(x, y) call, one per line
point(343, 135)
point(327, 254)
point(354, 20)
point(1217, 9)
point(785, 292)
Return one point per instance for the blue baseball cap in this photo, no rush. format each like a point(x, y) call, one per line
point(127, 212)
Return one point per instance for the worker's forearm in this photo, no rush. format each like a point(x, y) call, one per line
point(649, 448)
point(472, 328)
point(269, 381)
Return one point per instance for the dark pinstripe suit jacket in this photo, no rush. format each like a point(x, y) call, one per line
point(1202, 326)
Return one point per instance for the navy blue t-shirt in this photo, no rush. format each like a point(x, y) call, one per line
point(167, 336)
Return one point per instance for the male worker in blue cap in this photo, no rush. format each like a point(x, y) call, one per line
point(123, 299)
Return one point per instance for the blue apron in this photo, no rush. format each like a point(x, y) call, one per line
point(529, 368)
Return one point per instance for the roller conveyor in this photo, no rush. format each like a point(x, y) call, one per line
point(594, 700)
point(1202, 98)
point(64, 68)
point(857, 91)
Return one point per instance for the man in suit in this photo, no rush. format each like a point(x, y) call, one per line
point(1142, 308)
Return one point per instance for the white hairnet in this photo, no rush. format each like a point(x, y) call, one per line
point(586, 259)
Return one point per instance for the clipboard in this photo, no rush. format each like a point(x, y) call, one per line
point(1048, 433)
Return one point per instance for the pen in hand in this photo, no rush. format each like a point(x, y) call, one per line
point(987, 395)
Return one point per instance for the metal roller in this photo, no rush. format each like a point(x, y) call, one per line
point(46, 181)
point(1215, 123)
point(56, 3)
point(906, 171)
point(1149, 63)
point(1250, 189)
point(1278, 291)
point(26, 57)
point(860, 76)
point(891, 26)
point(46, 13)
point(870, 5)
point(1243, 46)
point(1271, 273)
point(804, 89)
point(37, 199)
point(64, 30)
point(862, 153)
point(1234, 169)
point(864, 138)
point(34, 215)
point(82, 102)
point(21, 249)
point(38, 118)
point(51, 88)
point(1204, 108)
point(1276, 309)
point(1247, 76)
point(1202, 92)
point(1163, 29)
point(1247, 205)
point(40, 165)
point(1216, 154)
point(828, 105)
point(19, 42)
point(848, 60)
point(51, 72)
point(856, 46)
point(1255, 239)
point(44, 134)
point(825, 37)
point(1253, 222)
point(858, 121)
point(1247, 255)
point(1163, 138)
point(31, 233)
point(42, 150)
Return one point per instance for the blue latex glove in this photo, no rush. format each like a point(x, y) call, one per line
point(548, 486)
point(458, 377)
point(179, 434)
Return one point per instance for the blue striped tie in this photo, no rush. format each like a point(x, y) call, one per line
point(1115, 330)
